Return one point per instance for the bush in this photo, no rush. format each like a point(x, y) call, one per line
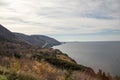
point(3, 70)
point(12, 76)
point(15, 76)
point(2, 77)
point(64, 64)
point(26, 77)
point(17, 55)
point(58, 62)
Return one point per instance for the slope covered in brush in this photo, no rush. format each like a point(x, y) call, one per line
point(5, 34)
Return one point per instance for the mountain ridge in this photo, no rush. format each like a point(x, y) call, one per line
point(6, 34)
point(38, 40)
point(35, 40)
point(21, 61)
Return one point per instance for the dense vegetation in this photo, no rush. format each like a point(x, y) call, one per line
point(20, 61)
point(52, 59)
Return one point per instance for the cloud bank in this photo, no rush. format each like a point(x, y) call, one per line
point(62, 17)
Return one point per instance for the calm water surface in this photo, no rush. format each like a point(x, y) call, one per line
point(97, 55)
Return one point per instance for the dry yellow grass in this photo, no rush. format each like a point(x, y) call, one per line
point(65, 58)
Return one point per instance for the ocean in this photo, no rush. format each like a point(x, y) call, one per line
point(97, 55)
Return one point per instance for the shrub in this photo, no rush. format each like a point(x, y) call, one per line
point(64, 64)
point(68, 75)
point(26, 77)
point(2, 77)
point(17, 55)
point(58, 62)
point(15, 76)
point(3, 70)
point(12, 76)
point(15, 65)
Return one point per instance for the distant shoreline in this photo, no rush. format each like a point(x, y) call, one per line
point(85, 41)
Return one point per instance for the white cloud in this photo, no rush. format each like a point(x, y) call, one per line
point(60, 16)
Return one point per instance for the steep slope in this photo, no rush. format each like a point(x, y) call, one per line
point(38, 40)
point(30, 40)
point(35, 40)
point(5, 34)
point(25, 62)
point(49, 42)
point(21, 61)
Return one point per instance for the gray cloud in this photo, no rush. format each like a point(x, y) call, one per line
point(104, 9)
point(15, 20)
point(2, 3)
point(61, 16)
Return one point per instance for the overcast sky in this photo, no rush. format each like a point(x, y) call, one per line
point(65, 20)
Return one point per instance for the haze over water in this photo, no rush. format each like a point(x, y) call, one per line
point(97, 55)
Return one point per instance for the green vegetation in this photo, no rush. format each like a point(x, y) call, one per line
point(51, 58)
point(3, 77)
point(68, 75)
point(15, 76)
point(64, 64)
point(8, 74)
point(19, 61)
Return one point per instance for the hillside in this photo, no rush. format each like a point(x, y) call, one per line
point(20, 60)
point(38, 40)
point(35, 40)
point(6, 34)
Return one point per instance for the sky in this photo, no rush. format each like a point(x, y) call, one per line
point(64, 20)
